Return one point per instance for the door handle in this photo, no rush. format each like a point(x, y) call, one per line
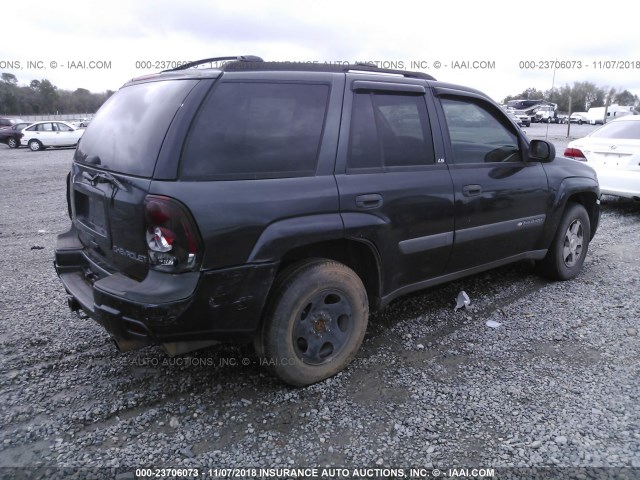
point(471, 190)
point(371, 200)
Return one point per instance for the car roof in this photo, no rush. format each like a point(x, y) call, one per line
point(48, 121)
point(253, 65)
point(261, 66)
point(627, 118)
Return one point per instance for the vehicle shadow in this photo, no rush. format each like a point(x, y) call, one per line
point(620, 206)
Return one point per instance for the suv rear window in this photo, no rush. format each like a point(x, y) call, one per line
point(257, 130)
point(126, 134)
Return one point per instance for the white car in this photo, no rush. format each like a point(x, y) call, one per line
point(579, 118)
point(81, 123)
point(41, 135)
point(613, 151)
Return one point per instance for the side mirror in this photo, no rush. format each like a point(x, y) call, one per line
point(541, 151)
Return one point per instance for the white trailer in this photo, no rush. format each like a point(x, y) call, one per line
point(595, 115)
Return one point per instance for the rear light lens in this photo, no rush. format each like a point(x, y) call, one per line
point(575, 153)
point(173, 241)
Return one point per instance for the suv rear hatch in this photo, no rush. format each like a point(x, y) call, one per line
point(112, 171)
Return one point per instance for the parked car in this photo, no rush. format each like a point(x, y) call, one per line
point(41, 135)
point(515, 118)
point(525, 119)
point(280, 203)
point(579, 118)
point(80, 123)
point(613, 150)
point(11, 135)
point(8, 122)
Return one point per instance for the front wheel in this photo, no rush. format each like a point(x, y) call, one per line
point(35, 145)
point(13, 143)
point(315, 322)
point(569, 246)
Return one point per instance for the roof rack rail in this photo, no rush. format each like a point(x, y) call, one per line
point(239, 58)
point(319, 67)
point(366, 64)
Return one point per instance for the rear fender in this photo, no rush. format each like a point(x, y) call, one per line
point(285, 235)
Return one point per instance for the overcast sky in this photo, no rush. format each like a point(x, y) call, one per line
point(501, 33)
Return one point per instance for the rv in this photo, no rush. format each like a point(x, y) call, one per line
point(595, 115)
point(537, 110)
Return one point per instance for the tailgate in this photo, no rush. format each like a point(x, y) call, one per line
point(616, 154)
point(108, 213)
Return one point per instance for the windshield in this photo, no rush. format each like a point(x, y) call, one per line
point(126, 134)
point(629, 130)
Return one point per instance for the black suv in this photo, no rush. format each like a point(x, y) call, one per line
point(281, 202)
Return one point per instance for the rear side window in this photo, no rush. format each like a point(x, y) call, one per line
point(257, 130)
point(389, 130)
point(127, 132)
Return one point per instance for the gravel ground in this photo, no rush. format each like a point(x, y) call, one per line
point(555, 385)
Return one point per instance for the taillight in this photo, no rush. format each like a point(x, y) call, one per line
point(173, 241)
point(575, 153)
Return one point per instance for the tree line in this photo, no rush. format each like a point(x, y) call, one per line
point(583, 95)
point(41, 97)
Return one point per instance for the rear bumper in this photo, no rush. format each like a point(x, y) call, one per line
point(179, 311)
point(618, 182)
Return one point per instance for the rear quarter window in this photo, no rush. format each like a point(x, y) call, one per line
point(256, 130)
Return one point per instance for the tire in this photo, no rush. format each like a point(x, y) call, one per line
point(35, 145)
point(569, 246)
point(315, 322)
point(13, 142)
point(579, 122)
point(548, 119)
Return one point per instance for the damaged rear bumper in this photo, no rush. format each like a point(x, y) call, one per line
point(181, 312)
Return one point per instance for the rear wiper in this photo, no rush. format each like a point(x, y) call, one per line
point(105, 177)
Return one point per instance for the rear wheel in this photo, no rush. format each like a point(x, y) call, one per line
point(569, 247)
point(13, 143)
point(35, 145)
point(315, 322)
